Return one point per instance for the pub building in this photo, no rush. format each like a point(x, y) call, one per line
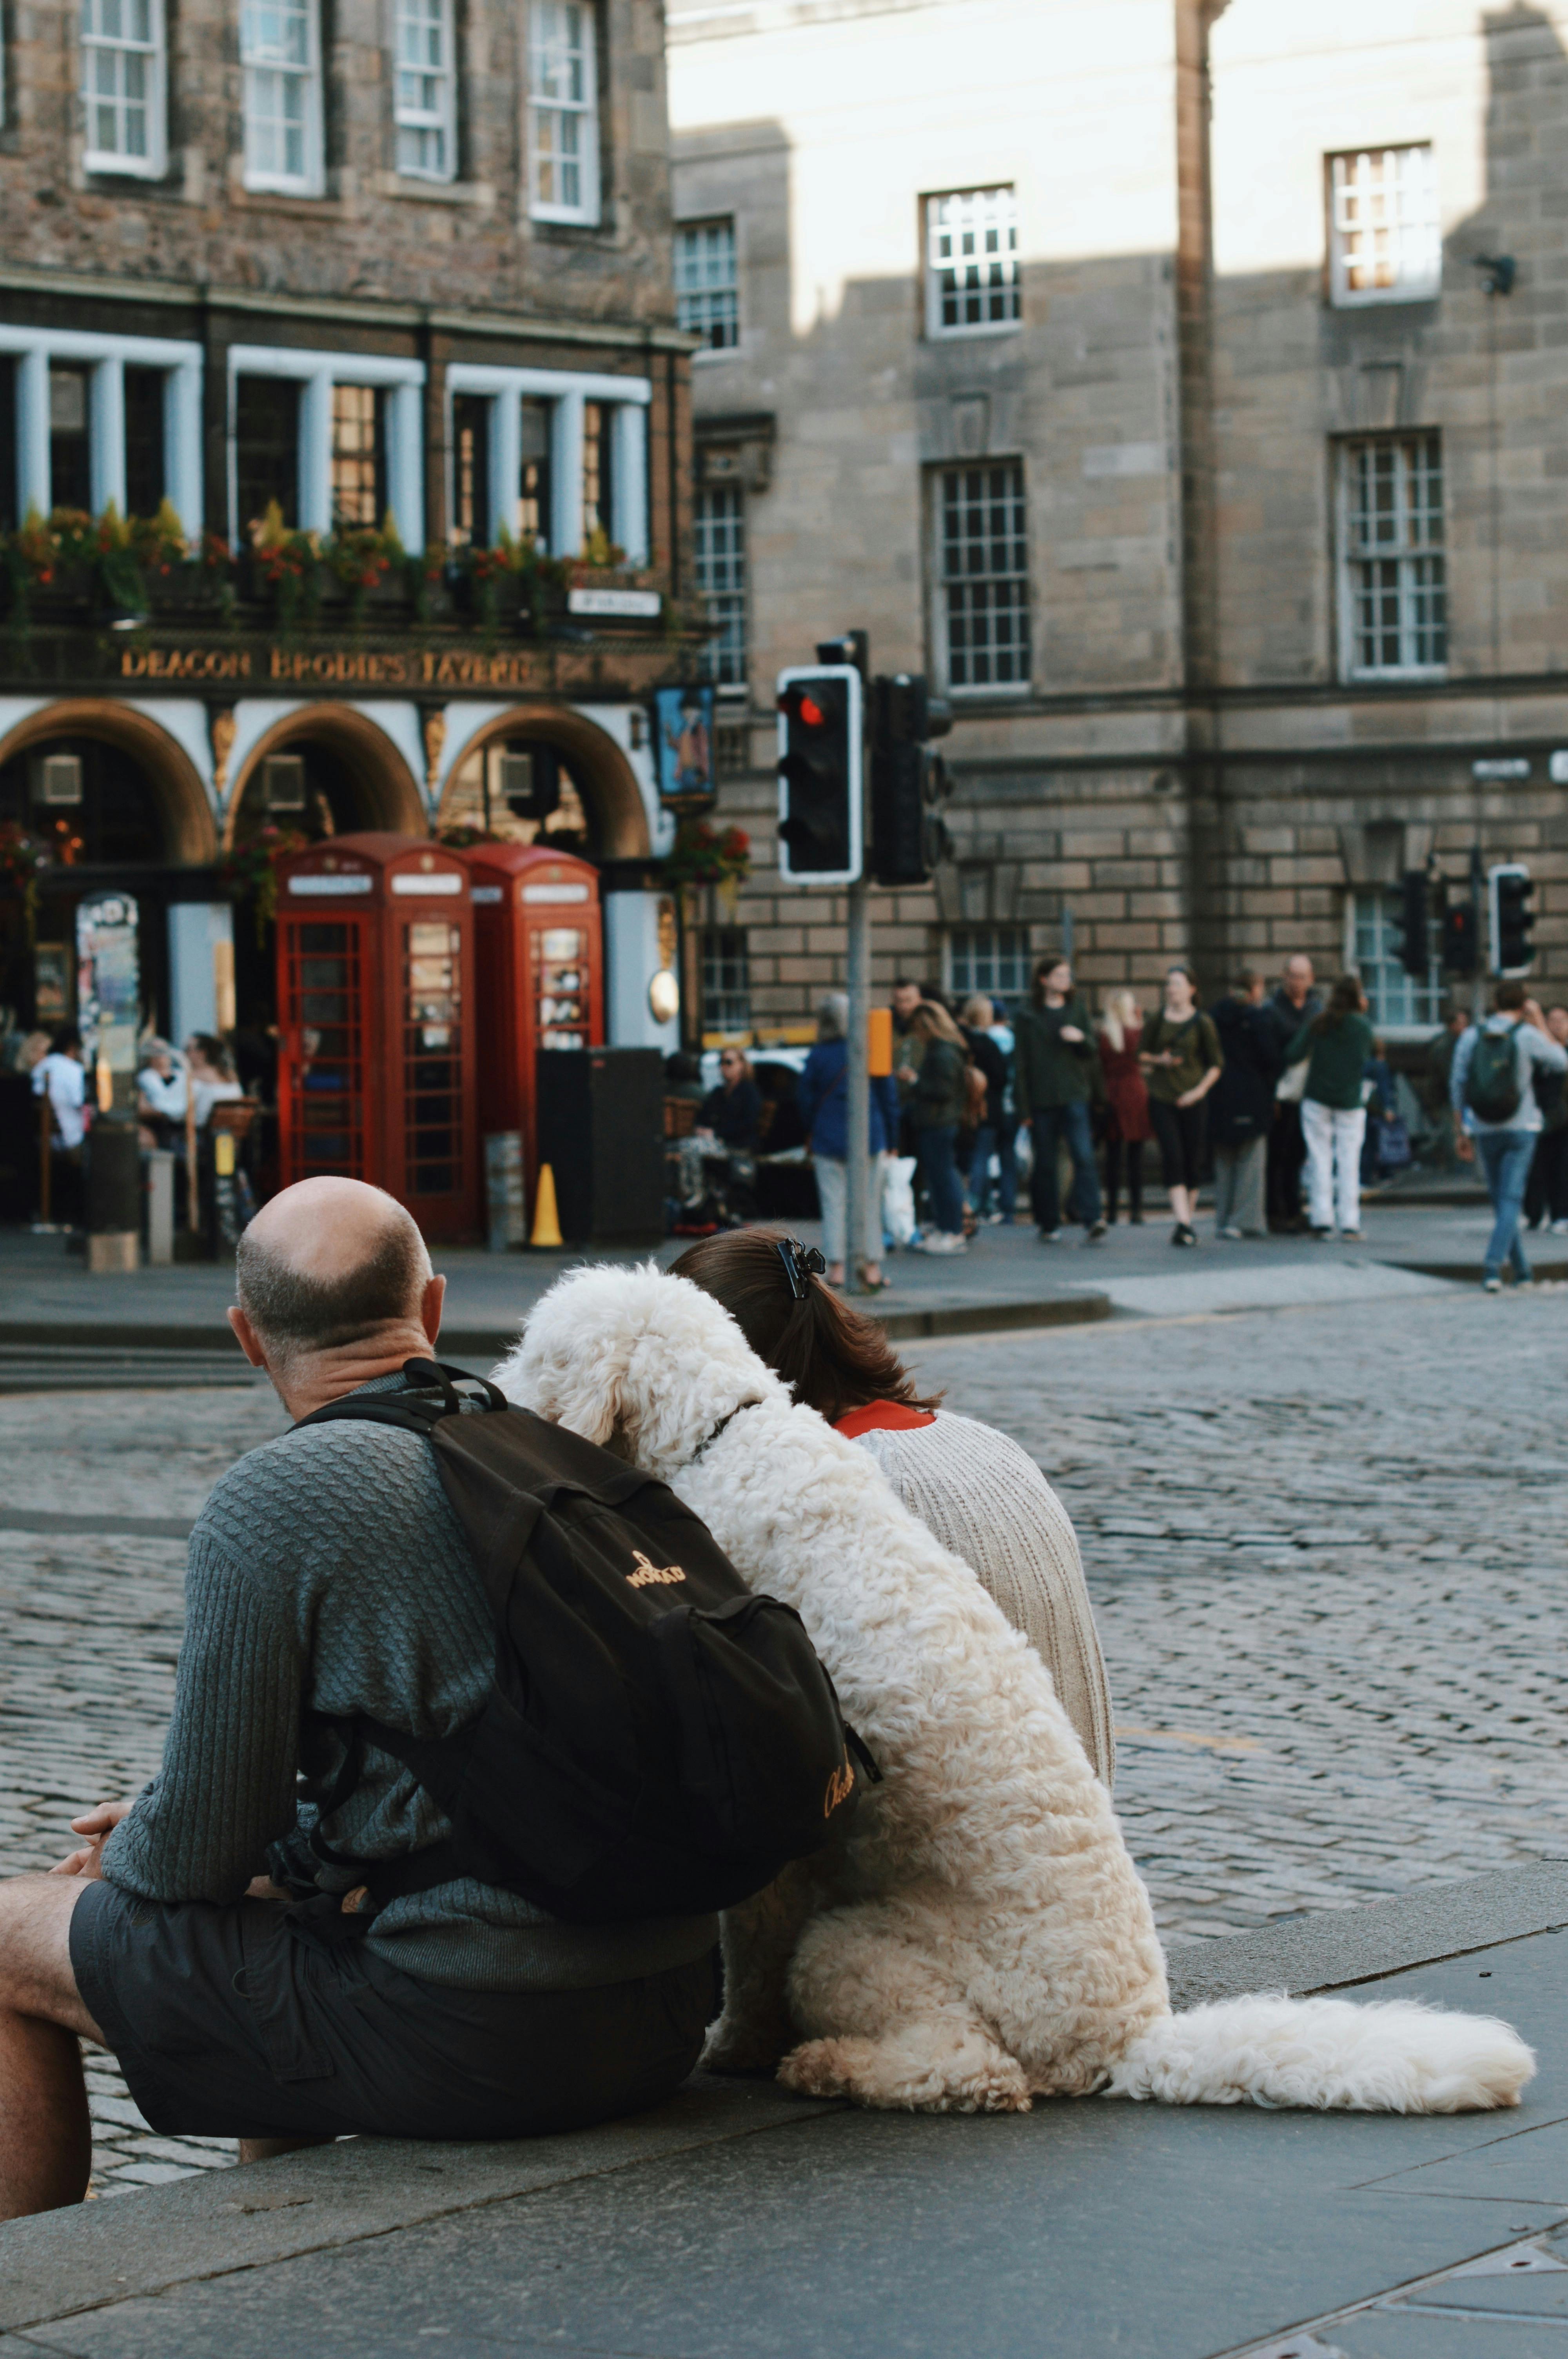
point(365, 318)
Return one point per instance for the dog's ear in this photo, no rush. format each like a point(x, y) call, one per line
point(570, 1362)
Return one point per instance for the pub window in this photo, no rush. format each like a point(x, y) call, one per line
point(563, 107)
point(426, 102)
point(470, 470)
point(122, 71)
point(145, 483)
point(70, 462)
point(534, 488)
point(281, 58)
point(267, 447)
point(598, 484)
point(359, 455)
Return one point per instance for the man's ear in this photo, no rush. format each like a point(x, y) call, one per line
point(249, 1341)
point(430, 1303)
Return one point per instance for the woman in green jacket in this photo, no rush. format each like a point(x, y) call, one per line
point(938, 1096)
point(1334, 1113)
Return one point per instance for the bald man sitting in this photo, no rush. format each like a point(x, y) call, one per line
point(198, 1933)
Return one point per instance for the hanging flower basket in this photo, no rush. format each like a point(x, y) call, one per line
point(252, 867)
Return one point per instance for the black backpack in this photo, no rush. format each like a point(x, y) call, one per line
point(1491, 1085)
point(658, 1740)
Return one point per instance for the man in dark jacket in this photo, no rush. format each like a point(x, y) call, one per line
point(1242, 1105)
point(1053, 1060)
point(1293, 1003)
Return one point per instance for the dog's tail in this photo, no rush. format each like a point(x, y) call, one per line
point(1391, 2056)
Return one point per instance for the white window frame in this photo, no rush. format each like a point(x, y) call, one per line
point(936, 328)
point(1433, 989)
point(154, 163)
point(992, 990)
point(940, 620)
point(585, 213)
point(419, 121)
point(733, 600)
point(33, 349)
point(566, 391)
point(702, 289)
point(1407, 554)
point(312, 180)
point(1415, 229)
point(317, 372)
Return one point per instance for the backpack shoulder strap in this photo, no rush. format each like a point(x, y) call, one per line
point(419, 1411)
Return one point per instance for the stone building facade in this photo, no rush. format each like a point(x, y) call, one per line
point(1141, 372)
point(364, 308)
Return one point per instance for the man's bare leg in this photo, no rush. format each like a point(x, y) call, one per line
point(262, 2149)
point(45, 2139)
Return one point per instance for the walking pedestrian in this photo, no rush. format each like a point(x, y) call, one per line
point(1054, 1054)
point(1181, 1059)
point(1242, 1107)
point(1296, 999)
point(61, 1078)
point(1497, 1116)
point(992, 1132)
point(1546, 1197)
point(1337, 1043)
point(939, 1101)
point(1127, 1128)
point(822, 1098)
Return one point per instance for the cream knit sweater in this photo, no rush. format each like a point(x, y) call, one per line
point(987, 1502)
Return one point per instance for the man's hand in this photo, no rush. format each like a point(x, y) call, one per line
point(1532, 1013)
point(97, 1825)
point(1464, 1146)
point(1191, 1097)
point(1071, 1034)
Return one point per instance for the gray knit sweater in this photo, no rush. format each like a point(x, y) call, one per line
point(328, 1574)
point(988, 1502)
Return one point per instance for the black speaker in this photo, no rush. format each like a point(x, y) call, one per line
point(601, 1131)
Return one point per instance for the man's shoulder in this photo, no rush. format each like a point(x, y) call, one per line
point(297, 1488)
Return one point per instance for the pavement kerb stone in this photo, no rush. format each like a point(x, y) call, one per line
point(62, 2263)
point(221, 2222)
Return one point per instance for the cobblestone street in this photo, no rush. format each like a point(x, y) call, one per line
point(1324, 1546)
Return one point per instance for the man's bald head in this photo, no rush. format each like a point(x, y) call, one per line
point(329, 1263)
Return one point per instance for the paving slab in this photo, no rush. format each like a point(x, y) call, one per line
point(736, 2222)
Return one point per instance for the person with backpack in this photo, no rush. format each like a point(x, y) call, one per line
point(1497, 1117)
point(1336, 1044)
point(414, 1865)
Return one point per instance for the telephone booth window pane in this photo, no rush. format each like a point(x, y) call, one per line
point(323, 1009)
point(561, 1012)
point(432, 1059)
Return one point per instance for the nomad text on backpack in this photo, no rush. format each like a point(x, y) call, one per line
point(656, 1740)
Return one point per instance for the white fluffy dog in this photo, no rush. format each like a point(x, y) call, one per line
point(981, 1936)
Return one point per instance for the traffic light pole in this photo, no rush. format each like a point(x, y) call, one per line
point(857, 1145)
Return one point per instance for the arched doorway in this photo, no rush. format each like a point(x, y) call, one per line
point(112, 803)
point(545, 773)
point(325, 770)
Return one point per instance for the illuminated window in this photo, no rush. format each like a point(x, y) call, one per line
point(563, 107)
point(359, 454)
point(1385, 237)
point(971, 262)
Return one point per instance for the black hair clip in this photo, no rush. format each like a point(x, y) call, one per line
point(801, 1262)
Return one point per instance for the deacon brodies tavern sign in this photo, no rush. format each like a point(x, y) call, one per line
point(340, 666)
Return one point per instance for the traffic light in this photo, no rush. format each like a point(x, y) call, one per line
point(1510, 892)
point(1461, 951)
point(821, 728)
point(909, 782)
point(1415, 953)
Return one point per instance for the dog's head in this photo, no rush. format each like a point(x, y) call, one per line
point(637, 1361)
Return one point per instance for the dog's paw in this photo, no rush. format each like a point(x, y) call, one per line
point(886, 2075)
point(823, 2068)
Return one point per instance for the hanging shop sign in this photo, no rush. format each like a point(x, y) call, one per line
point(108, 982)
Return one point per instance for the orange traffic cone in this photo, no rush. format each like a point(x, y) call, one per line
point(546, 1221)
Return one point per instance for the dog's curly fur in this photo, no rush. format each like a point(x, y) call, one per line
point(981, 1936)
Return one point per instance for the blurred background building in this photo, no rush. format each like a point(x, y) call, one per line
point(1184, 387)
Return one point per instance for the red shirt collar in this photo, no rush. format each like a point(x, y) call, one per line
point(882, 1417)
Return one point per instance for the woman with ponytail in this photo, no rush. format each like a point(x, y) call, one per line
point(972, 1487)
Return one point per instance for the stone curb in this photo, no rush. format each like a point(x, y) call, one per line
point(66, 2262)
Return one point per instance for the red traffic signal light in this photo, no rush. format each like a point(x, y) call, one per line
point(811, 713)
point(820, 825)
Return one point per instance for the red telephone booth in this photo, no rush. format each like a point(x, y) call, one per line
point(539, 958)
point(375, 1003)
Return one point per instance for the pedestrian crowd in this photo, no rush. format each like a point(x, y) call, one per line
point(1285, 1099)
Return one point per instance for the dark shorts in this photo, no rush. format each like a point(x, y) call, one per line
point(246, 2022)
